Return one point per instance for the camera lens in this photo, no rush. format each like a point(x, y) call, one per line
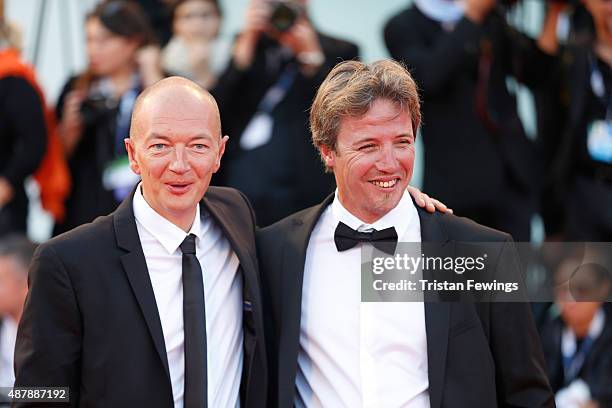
point(283, 16)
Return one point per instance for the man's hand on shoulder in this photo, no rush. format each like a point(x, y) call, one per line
point(428, 203)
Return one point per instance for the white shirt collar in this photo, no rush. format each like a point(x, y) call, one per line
point(7, 325)
point(168, 234)
point(399, 217)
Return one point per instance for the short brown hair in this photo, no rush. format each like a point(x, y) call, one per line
point(351, 88)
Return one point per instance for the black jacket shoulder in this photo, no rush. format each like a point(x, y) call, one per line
point(228, 196)
point(89, 238)
point(465, 229)
point(292, 220)
point(456, 227)
point(82, 239)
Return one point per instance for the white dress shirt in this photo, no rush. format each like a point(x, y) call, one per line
point(355, 354)
point(160, 241)
point(8, 335)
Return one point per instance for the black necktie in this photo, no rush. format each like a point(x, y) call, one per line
point(346, 238)
point(194, 321)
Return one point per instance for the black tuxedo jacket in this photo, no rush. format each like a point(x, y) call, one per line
point(479, 354)
point(91, 322)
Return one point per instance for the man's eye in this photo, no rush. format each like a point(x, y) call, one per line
point(199, 146)
point(158, 146)
point(367, 147)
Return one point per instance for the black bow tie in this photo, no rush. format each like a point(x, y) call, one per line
point(345, 238)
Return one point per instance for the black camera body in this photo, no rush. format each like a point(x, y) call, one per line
point(95, 108)
point(284, 14)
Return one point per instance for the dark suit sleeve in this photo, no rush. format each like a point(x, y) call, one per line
point(433, 65)
point(528, 63)
point(228, 84)
point(28, 123)
point(519, 362)
point(335, 51)
point(48, 347)
point(555, 139)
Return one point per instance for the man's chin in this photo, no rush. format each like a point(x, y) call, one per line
point(181, 202)
point(393, 197)
point(382, 207)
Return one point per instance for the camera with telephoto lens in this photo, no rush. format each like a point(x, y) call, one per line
point(284, 14)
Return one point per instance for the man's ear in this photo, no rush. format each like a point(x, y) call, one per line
point(329, 156)
point(131, 151)
point(222, 144)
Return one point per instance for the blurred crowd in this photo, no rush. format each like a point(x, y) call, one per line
point(477, 156)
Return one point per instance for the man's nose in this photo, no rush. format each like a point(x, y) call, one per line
point(179, 162)
point(387, 159)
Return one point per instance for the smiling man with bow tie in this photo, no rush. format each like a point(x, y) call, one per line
point(327, 347)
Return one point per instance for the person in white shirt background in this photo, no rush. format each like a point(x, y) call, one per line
point(15, 254)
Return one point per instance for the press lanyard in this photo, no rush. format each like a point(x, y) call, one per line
point(572, 364)
point(278, 91)
point(573, 360)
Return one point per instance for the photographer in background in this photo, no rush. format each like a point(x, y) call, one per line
point(576, 109)
point(22, 130)
point(95, 107)
point(577, 336)
point(195, 50)
point(477, 156)
point(278, 62)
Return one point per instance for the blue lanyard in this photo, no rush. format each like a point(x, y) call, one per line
point(277, 92)
point(573, 364)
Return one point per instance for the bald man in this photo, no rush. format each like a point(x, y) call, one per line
point(158, 303)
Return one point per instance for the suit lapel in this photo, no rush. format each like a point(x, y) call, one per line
point(294, 258)
point(437, 315)
point(136, 270)
point(242, 247)
point(231, 230)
